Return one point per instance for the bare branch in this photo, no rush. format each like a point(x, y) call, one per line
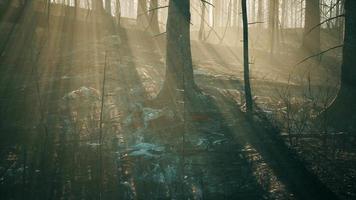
point(323, 22)
point(159, 34)
point(252, 23)
point(318, 54)
point(152, 9)
point(204, 1)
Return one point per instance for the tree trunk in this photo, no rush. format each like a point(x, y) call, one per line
point(153, 17)
point(179, 67)
point(248, 95)
point(202, 22)
point(341, 21)
point(118, 12)
point(284, 10)
point(344, 106)
point(272, 24)
point(311, 39)
point(142, 16)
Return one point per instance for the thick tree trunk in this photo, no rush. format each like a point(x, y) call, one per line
point(179, 67)
point(248, 95)
point(311, 39)
point(342, 112)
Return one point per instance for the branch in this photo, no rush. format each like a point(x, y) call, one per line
point(207, 23)
point(152, 9)
point(159, 34)
point(332, 7)
point(207, 2)
point(318, 54)
point(252, 23)
point(332, 18)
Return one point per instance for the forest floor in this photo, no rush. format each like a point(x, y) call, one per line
point(210, 151)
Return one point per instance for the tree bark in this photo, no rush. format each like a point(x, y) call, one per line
point(344, 106)
point(179, 67)
point(311, 39)
point(248, 95)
